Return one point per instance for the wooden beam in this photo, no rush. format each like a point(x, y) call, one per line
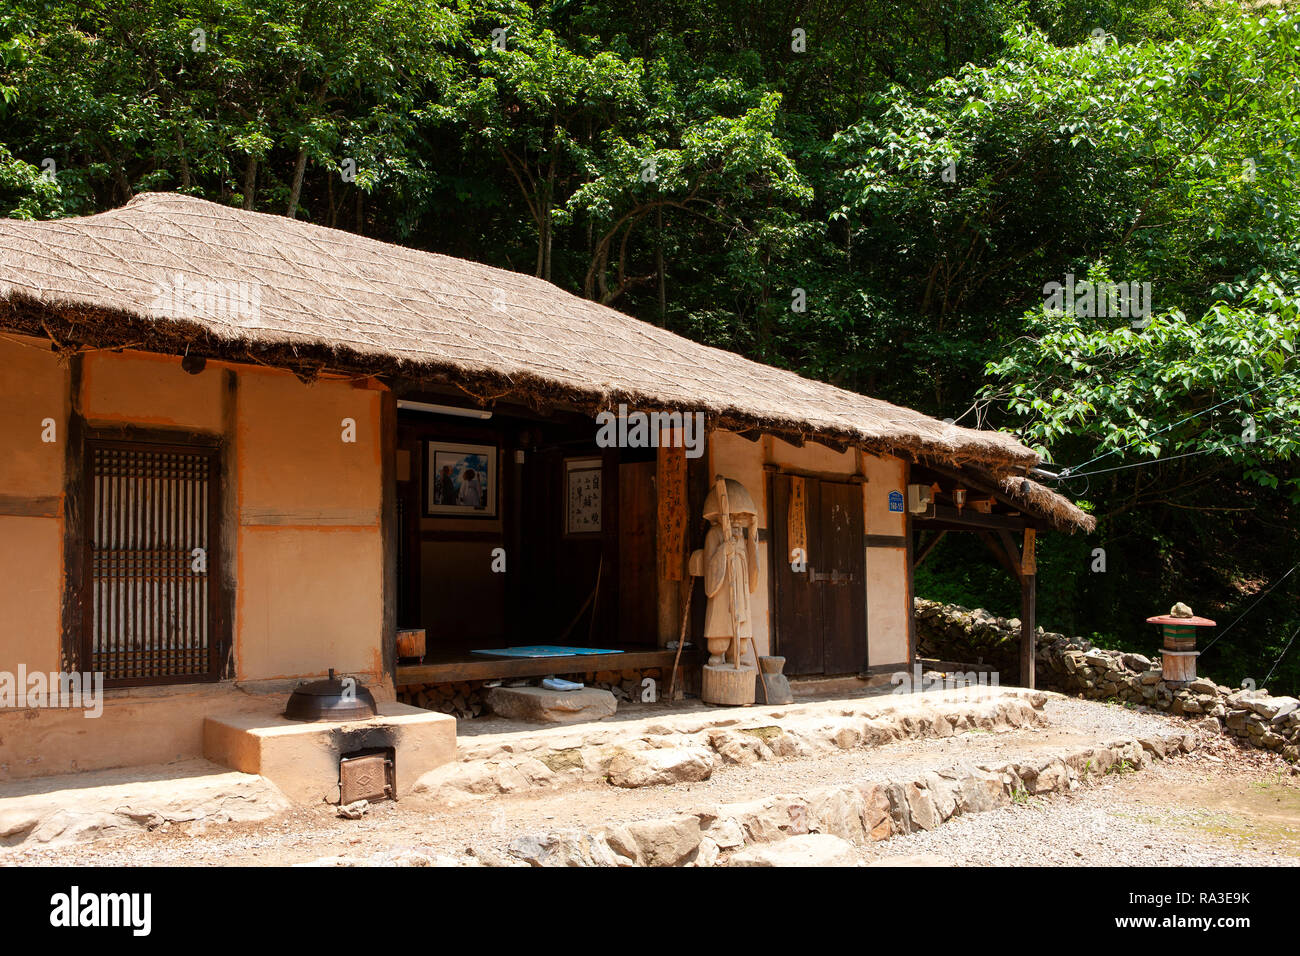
point(924, 553)
point(835, 446)
point(838, 476)
point(948, 515)
point(990, 542)
point(1028, 625)
point(494, 668)
point(978, 481)
point(1013, 551)
point(37, 506)
point(984, 482)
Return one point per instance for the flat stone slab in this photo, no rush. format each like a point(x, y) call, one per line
point(916, 859)
point(107, 803)
point(809, 849)
point(551, 706)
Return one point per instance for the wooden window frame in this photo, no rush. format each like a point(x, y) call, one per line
point(130, 438)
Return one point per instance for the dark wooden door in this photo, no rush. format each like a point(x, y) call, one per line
point(798, 604)
point(838, 573)
point(821, 619)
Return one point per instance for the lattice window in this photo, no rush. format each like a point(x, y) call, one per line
point(152, 602)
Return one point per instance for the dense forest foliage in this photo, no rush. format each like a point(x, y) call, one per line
point(877, 193)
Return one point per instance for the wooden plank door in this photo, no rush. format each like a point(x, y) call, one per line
point(839, 573)
point(798, 618)
point(820, 613)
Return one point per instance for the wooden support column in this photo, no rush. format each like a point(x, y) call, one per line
point(388, 529)
point(228, 523)
point(1028, 609)
point(671, 538)
point(74, 550)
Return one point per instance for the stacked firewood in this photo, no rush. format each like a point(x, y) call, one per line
point(462, 699)
point(627, 685)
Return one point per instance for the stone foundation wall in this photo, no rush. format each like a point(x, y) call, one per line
point(1073, 665)
point(821, 827)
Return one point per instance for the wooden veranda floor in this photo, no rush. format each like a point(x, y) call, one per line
point(443, 668)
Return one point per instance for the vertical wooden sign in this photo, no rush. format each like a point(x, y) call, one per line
point(670, 486)
point(797, 522)
point(1028, 560)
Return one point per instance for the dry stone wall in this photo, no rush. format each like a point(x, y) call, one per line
point(819, 827)
point(1075, 666)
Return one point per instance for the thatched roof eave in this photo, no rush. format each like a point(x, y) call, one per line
point(323, 299)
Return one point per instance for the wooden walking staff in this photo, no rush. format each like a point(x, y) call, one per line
point(681, 639)
point(724, 520)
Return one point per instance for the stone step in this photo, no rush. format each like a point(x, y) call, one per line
point(108, 803)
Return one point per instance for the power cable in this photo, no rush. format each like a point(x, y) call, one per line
point(1066, 472)
point(1249, 609)
point(1279, 660)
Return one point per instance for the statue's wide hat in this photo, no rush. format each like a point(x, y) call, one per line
point(738, 501)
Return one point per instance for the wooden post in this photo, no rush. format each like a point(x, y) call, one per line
point(72, 656)
point(671, 539)
point(1028, 609)
point(909, 559)
point(388, 529)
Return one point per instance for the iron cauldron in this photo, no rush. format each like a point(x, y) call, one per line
point(331, 699)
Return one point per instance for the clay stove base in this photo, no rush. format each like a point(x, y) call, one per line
point(725, 684)
point(302, 758)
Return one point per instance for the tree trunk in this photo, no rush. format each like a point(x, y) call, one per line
point(299, 169)
point(250, 182)
point(659, 264)
point(185, 162)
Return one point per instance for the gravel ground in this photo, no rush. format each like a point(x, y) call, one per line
point(1221, 806)
point(1138, 818)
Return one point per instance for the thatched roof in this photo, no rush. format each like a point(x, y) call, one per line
point(284, 291)
point(1061, 512)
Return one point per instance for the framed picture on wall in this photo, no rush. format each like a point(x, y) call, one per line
point(462, 480)
point(582, 495)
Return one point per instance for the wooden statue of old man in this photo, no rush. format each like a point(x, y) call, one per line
point(729, 565)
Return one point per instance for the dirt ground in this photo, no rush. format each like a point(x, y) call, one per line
point(1218, 806)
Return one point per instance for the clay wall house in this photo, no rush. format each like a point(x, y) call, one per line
point(223, 438)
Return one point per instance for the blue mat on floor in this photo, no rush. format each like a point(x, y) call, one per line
point(545, 650)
